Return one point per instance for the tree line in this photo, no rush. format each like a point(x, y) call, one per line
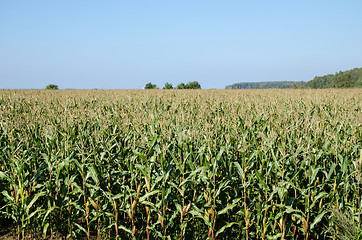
point(348, 79)
point(265, 85)
point(190, 85)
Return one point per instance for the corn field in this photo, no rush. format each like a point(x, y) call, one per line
point(179, 164)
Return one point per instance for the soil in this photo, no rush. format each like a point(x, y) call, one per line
point(6, 233)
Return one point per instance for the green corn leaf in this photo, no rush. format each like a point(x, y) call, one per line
point(222, 187)
point(4, 176)
point(129, 231)
point(277, 236)
point(93, 173)
point(119, 195)
point(35, 198)
point(7, 196)
point(80, 228)
point(196, 213)
point(318, 219)
point(45, 229)
point(261, 180)
point(39, 210)
point(226, 209)
point(224, 228)
point(316, 198)
point(219, 155)
point(48, 212)
point(147, 195)
point(239, 170)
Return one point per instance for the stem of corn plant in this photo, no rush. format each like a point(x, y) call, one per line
point(86, 203)
point(69, 211)
point(308, 209)
point(246, 211)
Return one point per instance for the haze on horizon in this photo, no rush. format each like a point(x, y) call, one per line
point(126, 44)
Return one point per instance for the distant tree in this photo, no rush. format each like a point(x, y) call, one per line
point(190, 85)
point(193, 85)
point(168, 86)
point(181, 86)
point(150, 86)
point(344, 81)
point(52, 87)
point(348, 79)
point(267, 85)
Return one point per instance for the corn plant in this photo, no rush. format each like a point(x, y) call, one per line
point(203, 164)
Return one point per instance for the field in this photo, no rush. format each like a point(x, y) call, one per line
point(179, 164)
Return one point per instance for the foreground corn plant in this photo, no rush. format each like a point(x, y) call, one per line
point(177, 164)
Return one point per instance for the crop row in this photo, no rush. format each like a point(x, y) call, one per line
point(176, 164)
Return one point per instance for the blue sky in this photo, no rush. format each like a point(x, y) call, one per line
point(117, 44)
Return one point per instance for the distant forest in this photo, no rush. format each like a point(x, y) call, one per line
point(265, 85)
point(348, 79)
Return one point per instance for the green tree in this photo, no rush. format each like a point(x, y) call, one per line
point(168, 86)
point(52, 87)
point(193, 85)
point(344, 81)
point(181, 86)
point(150, 86)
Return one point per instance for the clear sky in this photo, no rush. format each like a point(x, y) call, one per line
point(118, 44)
